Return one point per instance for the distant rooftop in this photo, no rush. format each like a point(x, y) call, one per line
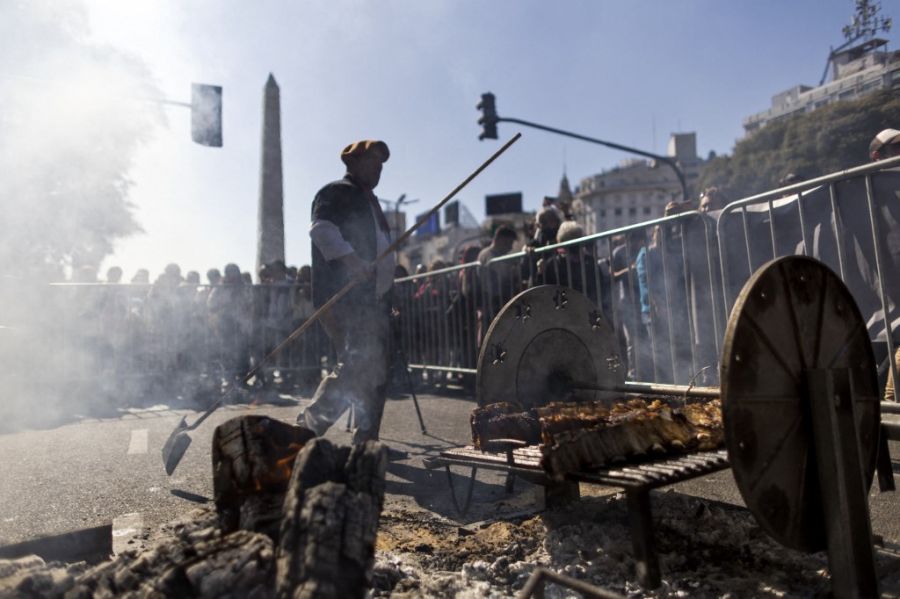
point(855, 72)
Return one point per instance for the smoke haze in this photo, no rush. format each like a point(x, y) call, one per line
point(74, 114)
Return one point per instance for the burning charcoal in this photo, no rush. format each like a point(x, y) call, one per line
point(253, 457)
point(235, 565)
point(30, 576)
point(331, 513)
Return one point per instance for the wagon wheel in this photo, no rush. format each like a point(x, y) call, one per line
point(540, 342)
point(794, 314)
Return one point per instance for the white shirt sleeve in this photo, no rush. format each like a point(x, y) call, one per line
point(327, 237)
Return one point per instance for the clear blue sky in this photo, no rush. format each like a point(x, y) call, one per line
point(411, 72)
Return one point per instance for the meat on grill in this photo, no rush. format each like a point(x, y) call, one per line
point(634, 429)
point(503, 420)
point(579, 436)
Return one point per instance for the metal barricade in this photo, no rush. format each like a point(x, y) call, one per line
point(850, 220)
point(655, 283)
point(437, 317)
point(137, 341)
point(665, 287)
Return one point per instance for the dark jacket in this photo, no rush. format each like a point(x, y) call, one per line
point(346, 205)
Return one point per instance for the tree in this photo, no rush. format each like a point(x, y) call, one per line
point(71, 124)
point(811, 144)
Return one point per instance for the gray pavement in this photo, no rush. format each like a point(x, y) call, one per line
point(95, 471)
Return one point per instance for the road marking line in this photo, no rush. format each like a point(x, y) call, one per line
point(124, 529)
point(138, 443)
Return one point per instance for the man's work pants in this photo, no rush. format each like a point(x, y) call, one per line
point(361, 337)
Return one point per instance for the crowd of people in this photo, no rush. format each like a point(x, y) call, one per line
point(657, 287)
point(641, 286)
point(179, 332)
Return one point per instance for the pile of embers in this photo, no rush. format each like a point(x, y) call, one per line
point(295, 517)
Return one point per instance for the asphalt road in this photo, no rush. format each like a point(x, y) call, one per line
point(94, 471)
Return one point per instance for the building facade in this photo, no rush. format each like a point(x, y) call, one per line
point(636, 190)
point(855, 72)
point(445, 245)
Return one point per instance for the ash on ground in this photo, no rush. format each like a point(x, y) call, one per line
point(706, 549)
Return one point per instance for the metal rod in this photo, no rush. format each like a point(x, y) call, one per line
point(541, 576)
point(879, 269)
point(654, 389)
point(837, 228)
point(667, 160)
point(890, 407)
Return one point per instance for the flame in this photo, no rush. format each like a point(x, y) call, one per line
point(281, 470)
point(284, 467)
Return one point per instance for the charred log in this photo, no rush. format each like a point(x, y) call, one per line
point(331, 512)
point(252, 458)
point(201, 563)
point(326, 500)
point(31, 576)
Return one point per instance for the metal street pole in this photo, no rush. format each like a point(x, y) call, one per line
point(665, 159)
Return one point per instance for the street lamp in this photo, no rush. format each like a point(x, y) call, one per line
point(489, 120)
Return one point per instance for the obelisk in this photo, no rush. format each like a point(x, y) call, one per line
point(270, 234)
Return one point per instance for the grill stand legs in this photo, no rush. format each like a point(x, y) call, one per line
point(843, 493)
point(645, 557)
point(464, 508)
point(883, 464)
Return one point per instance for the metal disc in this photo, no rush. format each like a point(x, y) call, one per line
point(793, 314)
point(540, 343)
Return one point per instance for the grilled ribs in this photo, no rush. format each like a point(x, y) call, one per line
point(580, 436)
point(503, 420)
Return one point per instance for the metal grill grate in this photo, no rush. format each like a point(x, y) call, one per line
point(649, 474)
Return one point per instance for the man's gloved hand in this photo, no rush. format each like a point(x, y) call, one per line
point(356, 267)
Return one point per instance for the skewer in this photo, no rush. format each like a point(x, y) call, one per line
point(655, 389)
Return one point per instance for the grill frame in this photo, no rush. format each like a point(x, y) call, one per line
point(635, 478)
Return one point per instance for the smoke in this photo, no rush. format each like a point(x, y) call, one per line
point(74, 113)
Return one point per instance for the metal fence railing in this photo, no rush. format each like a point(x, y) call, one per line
point(850, 220)
point(140, 339)
point(654, 282)
point(665, 286)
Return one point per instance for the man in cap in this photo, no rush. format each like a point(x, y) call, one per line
point(348, 232)
point(885, 145)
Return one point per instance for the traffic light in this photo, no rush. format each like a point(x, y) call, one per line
point(488, 120)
